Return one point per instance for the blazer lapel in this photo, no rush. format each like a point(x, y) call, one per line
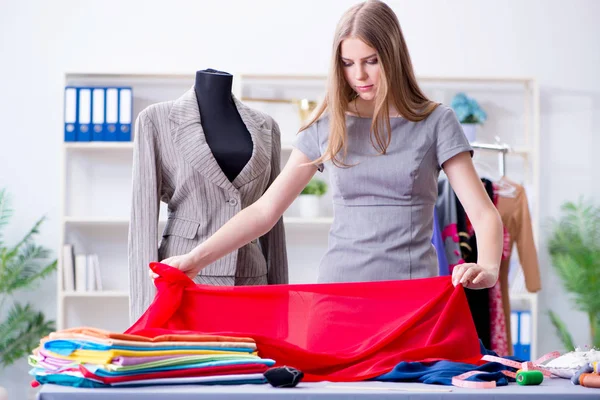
point(191, 143)
point(261, 138)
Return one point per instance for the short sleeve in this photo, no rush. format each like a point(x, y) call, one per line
point(451, 139)
point(308, 143)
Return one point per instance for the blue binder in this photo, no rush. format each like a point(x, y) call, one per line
point(112, 114)
point(98, 113)
point(522, 339)
point(70, 114)
point(525, 335)
point(125, 111)
point(515, 332)
point(84, 114)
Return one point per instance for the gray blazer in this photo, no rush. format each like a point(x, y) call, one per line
point(174, 164)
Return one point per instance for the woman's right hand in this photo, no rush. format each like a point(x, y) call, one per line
point(185, 263)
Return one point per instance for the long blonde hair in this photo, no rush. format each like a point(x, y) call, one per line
point(376, 24)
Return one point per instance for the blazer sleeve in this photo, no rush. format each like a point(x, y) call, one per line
point(526, 246)
point(273, 242)
point(143, 225)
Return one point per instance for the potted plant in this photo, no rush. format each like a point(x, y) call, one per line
point(469, 114)
point(309, 198)
point(21, 265)
point(574, 246)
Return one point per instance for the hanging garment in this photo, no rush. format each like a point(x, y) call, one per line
point(446, 210)
point(498, 334)
point(517, 220)
point(438, 243)
point(479, 300)
point(336, 331)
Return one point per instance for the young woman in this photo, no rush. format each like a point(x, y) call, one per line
point(385, 144)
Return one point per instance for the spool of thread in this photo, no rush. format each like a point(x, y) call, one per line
point(529, 377)
point(586, 369)
point(590, 380)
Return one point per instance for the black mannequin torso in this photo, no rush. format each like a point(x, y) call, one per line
point(225, 132)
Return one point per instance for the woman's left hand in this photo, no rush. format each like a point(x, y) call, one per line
point(474, 276)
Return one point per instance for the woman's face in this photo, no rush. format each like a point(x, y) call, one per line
point(361, 67)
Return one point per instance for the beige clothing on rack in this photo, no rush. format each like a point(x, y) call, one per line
point(517, 220)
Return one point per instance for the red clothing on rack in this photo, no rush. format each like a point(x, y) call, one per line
point(334, 331)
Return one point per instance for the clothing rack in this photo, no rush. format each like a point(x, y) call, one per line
point(500, 148)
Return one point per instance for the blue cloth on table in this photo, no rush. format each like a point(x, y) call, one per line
point(442, 372)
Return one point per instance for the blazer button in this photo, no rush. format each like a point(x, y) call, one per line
point(232, 202)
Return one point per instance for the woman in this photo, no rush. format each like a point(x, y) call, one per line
point(385, 143)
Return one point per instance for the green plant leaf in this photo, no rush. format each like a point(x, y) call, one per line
point(24, 270)
point(26, 239)
point(316, 187)
point(21, 331)
point(574, 247)
point(5, 212)
point(21, 266)
point(562, 331)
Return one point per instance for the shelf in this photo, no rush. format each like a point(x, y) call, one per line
point(98, 145)
point(100, 293)
point(96, 221)
point(526, 296)
point(326, 221)
point(92, 146)
point(107, 221)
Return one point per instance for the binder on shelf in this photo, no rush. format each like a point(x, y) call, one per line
point(70, 114)
point(84, 133)
point(112, 114)
point(125, 111)
point(80, 273)
point(521, 335)
point(68, 268)
point(98, 114)
point(525, 335)
point(514, 332)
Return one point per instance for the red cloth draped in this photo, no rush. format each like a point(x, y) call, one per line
point(335, 331)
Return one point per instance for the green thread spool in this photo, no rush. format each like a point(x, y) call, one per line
point(529, 377)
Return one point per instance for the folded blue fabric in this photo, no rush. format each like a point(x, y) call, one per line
point(67, 347)
point(442, 372)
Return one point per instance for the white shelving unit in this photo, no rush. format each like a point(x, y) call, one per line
point(96, 178)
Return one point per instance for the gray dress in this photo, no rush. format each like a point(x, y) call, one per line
point(383, 206)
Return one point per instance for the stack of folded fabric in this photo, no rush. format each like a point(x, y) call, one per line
point(89, 357)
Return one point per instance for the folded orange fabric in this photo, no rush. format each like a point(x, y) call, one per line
point(61, 335)
point(158, 335)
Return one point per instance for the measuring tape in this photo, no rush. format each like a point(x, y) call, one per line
point(461, 380)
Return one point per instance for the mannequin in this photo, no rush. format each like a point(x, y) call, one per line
point(207, 156)
point(226, 134)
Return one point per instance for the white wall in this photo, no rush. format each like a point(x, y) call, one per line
point(554, 41)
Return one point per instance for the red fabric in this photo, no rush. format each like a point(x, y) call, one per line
point(334, 332)
point(178, 373)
